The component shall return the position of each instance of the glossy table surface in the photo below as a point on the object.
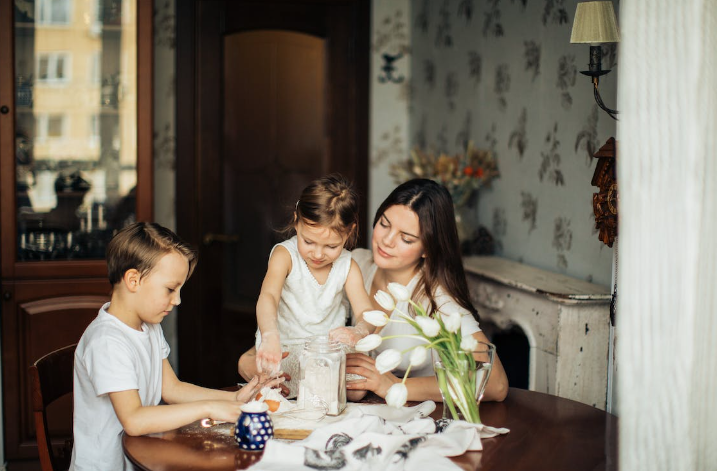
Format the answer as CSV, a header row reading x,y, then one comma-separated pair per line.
x,y
546,432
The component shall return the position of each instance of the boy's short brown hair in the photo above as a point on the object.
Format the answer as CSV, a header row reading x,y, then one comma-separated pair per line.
x,y
140,245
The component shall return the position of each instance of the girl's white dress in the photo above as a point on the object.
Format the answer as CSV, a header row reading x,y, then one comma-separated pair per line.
x,y
307,308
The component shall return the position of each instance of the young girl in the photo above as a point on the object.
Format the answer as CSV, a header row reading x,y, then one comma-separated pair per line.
x,y
303,290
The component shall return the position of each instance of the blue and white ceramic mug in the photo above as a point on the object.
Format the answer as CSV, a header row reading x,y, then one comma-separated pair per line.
x,y
254,427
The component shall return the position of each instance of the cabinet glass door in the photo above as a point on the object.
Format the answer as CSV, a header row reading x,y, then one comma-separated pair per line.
x,y
75,125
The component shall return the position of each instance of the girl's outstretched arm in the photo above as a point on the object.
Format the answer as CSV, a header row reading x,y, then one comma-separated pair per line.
x,y
360,303
268,355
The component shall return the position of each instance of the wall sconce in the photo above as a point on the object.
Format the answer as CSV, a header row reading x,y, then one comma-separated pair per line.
x,y
595,23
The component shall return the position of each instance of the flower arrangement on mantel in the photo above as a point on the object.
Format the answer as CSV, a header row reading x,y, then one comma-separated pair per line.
x,y
440,331
462,174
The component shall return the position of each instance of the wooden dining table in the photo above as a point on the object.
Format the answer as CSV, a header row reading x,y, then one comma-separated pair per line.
x,y
546,432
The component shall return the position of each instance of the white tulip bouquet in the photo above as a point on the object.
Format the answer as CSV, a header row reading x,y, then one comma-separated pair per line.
x,y
456,370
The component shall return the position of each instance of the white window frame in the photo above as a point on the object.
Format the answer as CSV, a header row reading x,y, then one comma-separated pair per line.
x,y
52,61
43,127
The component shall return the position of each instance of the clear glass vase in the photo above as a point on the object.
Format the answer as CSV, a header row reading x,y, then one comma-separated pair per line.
x,y
462,378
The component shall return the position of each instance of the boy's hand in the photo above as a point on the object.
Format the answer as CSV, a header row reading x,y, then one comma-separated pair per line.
x,y
349,335
225,411
268,356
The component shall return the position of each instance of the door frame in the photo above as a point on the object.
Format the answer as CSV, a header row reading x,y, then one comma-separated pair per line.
x,y
195,327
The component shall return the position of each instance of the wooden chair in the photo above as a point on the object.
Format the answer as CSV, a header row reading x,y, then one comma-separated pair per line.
x,y
51,377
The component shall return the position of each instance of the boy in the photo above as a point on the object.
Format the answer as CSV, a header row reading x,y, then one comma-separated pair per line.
x,y
121,367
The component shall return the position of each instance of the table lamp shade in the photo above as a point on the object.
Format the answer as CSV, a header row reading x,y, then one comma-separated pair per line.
x,y
595,23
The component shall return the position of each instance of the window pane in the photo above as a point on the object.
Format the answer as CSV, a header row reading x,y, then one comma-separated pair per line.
x,y
76,144
43,68
54,126
60,10
60,68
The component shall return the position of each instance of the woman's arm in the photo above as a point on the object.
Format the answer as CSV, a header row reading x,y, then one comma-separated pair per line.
x,y
419,388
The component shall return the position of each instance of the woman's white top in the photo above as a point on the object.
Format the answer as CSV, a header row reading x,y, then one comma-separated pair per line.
x,y
307,308
445,303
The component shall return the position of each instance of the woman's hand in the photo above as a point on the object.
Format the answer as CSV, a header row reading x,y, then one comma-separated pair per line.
x,y
360,364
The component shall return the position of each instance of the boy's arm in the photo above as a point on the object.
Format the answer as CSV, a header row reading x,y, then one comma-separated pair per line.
x,y
360,303
269,352
175,391
139,420
186,403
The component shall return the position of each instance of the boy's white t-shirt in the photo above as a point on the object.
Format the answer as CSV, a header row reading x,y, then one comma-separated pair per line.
x,y
445,303
112,357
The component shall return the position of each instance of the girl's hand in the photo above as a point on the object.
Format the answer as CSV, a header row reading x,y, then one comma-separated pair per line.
x,y
363,365
257,383
268,356
348,335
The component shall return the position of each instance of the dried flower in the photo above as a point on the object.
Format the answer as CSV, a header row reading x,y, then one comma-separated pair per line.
x,y
462,174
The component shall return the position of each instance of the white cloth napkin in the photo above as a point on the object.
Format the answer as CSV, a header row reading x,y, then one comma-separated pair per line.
x,y
402,440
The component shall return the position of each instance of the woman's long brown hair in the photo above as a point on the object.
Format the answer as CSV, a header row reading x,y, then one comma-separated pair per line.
x,y
442,265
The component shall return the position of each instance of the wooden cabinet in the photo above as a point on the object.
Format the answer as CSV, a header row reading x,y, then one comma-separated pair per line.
x,y
75,166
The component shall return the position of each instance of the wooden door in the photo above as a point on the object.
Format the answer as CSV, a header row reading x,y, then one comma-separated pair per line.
x,y
277,99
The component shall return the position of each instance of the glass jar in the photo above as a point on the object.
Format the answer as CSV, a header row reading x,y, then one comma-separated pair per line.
x,y
322,383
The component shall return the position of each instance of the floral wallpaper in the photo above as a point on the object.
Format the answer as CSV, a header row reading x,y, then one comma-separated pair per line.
x,y
503,74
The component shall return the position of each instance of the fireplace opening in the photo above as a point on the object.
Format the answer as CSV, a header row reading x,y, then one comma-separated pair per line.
x,y
513,350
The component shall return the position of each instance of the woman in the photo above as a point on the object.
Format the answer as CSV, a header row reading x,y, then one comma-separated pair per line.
x,y
415,243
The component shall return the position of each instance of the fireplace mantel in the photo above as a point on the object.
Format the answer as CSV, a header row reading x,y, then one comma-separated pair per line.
x,y
566,322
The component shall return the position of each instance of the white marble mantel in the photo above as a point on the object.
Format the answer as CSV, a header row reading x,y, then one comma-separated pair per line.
x,y
566,321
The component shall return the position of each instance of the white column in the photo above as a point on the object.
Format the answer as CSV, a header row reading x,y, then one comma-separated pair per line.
x,y
667,173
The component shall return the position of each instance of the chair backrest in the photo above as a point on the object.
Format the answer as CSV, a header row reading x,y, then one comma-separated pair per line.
x,y
51,377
